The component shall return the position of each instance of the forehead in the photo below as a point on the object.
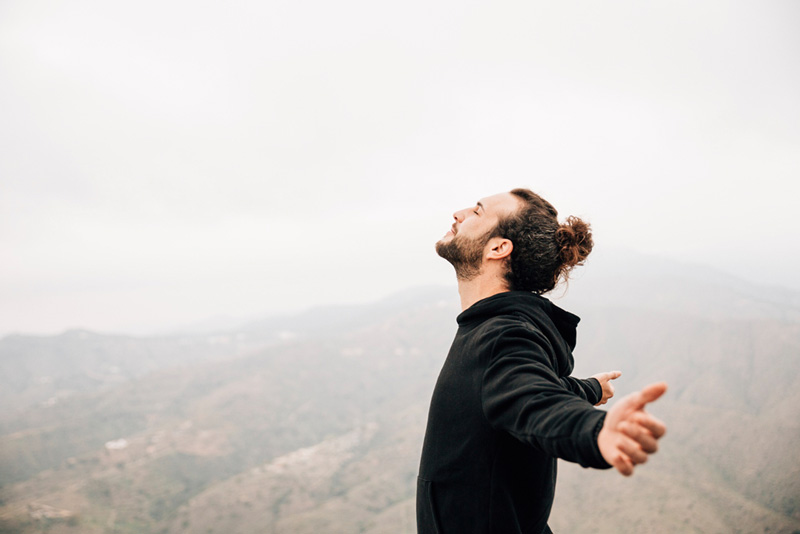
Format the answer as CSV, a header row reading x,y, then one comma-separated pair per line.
x,y
500,204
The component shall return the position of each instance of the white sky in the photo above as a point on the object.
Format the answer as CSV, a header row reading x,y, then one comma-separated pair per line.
x,y
166,161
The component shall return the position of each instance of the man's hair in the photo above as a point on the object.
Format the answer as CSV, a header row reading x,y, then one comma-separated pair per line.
x,y
544,251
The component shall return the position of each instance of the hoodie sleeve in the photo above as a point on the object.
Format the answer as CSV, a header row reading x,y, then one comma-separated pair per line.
x,y
522,395
586,388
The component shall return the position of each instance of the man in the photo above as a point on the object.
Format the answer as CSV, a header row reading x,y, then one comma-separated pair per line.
x,y
504,406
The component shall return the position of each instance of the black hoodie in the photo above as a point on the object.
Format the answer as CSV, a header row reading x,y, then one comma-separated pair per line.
x,y
503,409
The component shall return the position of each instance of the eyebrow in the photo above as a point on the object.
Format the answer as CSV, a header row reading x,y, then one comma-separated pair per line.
x,y
480,206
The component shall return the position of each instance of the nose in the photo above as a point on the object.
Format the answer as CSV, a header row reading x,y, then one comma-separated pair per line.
x,y
460,215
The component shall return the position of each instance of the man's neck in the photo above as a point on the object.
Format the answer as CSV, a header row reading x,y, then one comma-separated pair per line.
x,y
479,288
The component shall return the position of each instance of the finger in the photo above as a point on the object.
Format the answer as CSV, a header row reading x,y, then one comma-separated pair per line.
x,y
623,464
656,427
632,450
640,435
608,375
649,394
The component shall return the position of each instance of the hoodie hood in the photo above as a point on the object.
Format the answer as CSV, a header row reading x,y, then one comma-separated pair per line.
x,y
534,308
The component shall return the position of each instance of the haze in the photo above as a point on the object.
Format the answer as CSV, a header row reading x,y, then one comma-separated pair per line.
x,y
167,162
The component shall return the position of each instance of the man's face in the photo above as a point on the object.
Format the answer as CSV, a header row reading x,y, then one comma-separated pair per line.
x,y
464,244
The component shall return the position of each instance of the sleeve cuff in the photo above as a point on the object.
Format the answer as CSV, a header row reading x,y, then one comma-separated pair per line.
x,y
597,390
593,456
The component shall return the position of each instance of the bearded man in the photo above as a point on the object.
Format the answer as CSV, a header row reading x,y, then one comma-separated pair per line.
x,y
505,406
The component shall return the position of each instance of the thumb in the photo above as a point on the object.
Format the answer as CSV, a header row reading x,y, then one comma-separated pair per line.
x,y
650,393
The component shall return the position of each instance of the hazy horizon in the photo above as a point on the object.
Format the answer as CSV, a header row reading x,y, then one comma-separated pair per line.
x,y
166,163
601,264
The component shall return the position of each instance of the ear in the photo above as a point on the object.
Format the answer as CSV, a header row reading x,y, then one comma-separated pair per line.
x,y
498,248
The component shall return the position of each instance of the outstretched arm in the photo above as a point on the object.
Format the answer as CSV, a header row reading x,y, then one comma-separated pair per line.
x,y
523,396
629,433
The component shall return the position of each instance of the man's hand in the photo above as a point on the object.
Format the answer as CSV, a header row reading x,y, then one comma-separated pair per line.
x,y
629,433
605,383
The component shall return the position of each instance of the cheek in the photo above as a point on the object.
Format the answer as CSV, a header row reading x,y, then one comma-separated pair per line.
x,y
471,224
476,226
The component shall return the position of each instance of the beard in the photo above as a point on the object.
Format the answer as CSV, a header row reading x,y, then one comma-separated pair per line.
x,y
464,254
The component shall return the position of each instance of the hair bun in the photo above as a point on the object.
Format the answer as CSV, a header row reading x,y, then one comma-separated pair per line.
x,y
574,238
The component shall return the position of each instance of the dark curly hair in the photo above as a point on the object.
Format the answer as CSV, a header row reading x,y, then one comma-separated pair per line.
x,y
545,251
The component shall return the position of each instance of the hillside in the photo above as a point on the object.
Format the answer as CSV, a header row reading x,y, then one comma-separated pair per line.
x,y
313,423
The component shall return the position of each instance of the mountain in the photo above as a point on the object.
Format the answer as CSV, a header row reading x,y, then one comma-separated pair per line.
x,y
314,422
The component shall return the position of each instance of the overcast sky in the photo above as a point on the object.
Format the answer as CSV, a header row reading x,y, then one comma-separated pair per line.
x,y
168,161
